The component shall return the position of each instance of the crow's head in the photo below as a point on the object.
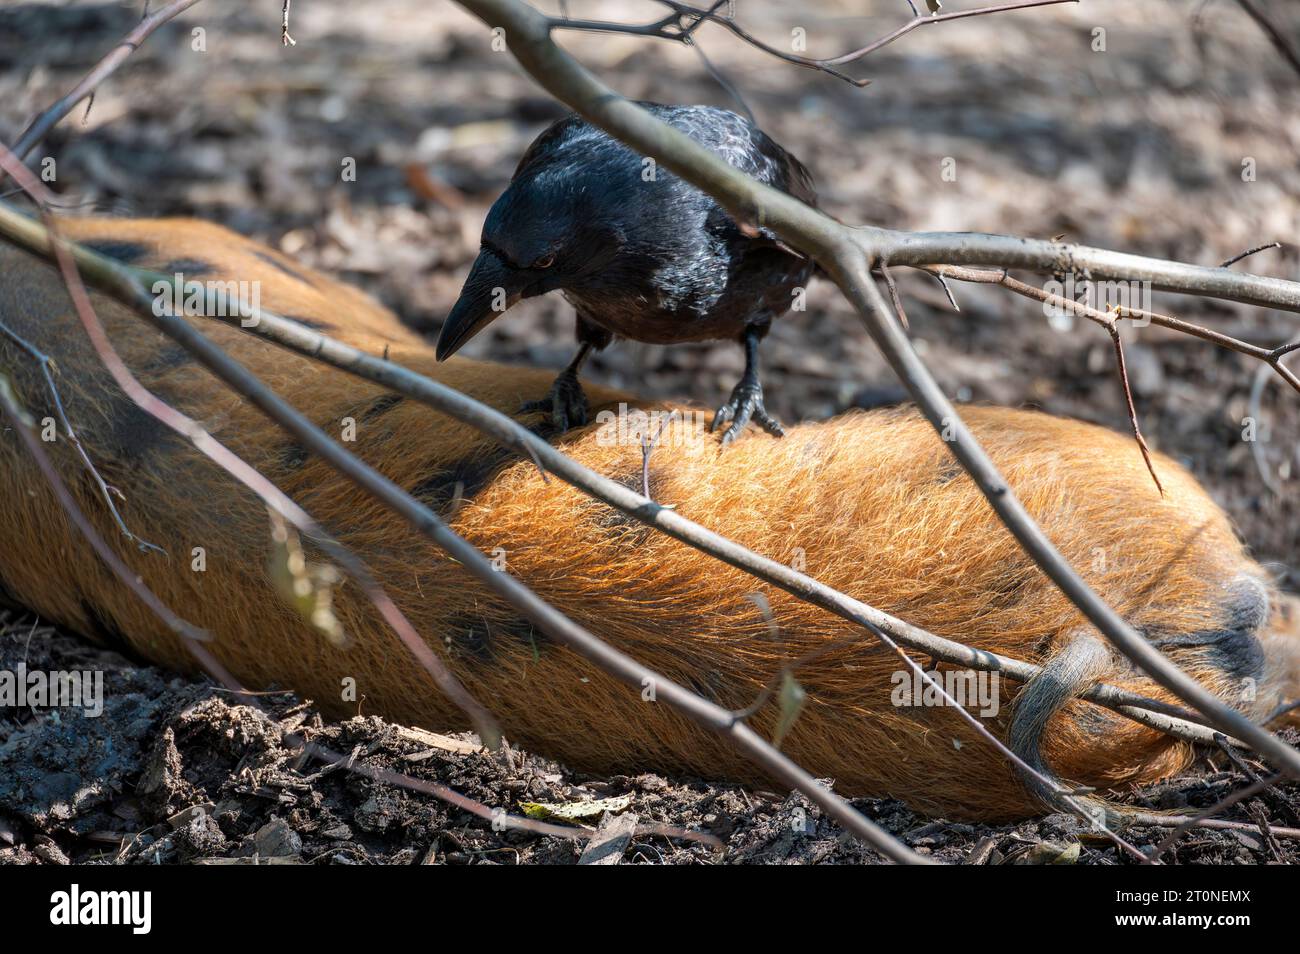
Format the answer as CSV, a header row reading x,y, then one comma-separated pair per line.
x,y
555,229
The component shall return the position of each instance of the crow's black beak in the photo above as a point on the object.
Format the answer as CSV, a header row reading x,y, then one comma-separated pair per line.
x,y
491,288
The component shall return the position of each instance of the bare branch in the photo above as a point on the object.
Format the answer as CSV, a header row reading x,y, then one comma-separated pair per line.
x,y
685,19
849,254
1273,358
1044,257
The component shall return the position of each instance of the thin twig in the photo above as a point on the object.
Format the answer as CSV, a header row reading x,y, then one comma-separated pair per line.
x,y
921,20
685,19
894,296
497,817
1272,358
1204,819
1255,411
44,361
649,448
1249,252
42,124
720,78
1184,822
1283,800
1122,368
947,290
1282,709
285,38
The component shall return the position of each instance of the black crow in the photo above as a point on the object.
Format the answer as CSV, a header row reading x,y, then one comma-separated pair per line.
x,y
638,252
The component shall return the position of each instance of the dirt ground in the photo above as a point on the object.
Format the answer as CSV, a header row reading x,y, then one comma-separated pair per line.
x,y
1143,146
173,772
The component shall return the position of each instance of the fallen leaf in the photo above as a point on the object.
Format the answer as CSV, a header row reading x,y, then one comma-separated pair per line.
x,y
573,811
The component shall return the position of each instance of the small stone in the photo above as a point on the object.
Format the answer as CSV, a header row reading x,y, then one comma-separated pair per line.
x,y
51,853
276,839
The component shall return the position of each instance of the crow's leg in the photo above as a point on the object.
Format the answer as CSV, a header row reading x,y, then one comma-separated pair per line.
x,y
747,399
567,403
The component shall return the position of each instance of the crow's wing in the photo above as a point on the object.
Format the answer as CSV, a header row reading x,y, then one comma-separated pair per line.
x,y
734,138
743,145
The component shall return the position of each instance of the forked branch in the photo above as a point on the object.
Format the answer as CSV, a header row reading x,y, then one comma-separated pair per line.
x,y
683,20
850,254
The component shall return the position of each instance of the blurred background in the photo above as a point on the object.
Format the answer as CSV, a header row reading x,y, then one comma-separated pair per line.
x,y
1106,122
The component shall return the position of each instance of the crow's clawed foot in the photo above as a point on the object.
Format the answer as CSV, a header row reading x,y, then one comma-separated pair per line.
x,y
746,402
566,403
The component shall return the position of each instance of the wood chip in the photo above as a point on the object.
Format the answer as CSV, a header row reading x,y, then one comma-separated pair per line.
x,y
444,742
612,837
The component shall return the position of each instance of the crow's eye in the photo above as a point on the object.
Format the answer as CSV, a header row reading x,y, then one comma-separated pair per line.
x,y
546,261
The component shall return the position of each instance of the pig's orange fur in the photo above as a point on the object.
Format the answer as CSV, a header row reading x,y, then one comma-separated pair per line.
x,y
870,502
